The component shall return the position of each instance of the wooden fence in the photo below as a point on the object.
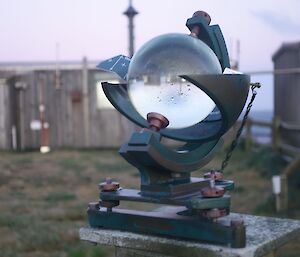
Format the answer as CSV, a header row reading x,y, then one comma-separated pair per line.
x,y
290,176
277,129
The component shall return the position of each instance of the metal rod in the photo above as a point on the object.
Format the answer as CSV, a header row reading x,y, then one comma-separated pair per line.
x,y
130,13
275,72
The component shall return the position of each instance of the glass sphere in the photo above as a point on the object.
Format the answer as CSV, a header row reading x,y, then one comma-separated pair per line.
x,y
155,85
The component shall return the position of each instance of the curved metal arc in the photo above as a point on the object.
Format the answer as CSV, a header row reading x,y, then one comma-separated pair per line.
x,y
228,91
189,161
118,97
201,132
145,151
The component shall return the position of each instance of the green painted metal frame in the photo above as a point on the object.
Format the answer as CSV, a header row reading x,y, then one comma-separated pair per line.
x,y
165,173
213,37
144,150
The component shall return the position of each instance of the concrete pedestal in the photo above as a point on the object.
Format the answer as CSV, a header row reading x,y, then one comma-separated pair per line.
x,y
264,236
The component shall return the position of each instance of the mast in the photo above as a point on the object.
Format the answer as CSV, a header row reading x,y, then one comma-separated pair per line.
x,y
130,13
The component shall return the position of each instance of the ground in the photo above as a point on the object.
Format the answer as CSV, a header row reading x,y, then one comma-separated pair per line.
x,y
43,198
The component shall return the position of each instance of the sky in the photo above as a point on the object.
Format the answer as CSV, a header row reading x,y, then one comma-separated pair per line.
x,y
31,29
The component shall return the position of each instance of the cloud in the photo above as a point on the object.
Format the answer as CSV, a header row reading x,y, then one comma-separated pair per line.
x,y
278,21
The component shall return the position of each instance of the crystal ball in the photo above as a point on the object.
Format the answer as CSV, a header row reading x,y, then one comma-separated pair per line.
x,y
155,83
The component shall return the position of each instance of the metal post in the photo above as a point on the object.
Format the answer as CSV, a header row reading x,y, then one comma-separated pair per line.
x,y
130,13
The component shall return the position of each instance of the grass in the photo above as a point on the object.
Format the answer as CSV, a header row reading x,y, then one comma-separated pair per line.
x,y
12,222
59,196
43,198
23,161
266,162
267,207
71,164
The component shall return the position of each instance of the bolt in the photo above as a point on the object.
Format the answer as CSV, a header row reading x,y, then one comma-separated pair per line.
x,y
109,185
195,31
157,121
213,174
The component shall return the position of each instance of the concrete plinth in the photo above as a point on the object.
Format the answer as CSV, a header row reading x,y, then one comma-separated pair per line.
x,y
264,236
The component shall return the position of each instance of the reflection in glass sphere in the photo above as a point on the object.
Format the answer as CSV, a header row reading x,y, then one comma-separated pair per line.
x,y
155,85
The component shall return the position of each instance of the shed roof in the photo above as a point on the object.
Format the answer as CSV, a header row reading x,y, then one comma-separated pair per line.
x,y
290,46
45,65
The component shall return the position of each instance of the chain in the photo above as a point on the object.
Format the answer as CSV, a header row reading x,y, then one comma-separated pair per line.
x,y
240,130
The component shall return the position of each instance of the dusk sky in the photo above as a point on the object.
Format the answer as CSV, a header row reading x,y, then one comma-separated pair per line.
x,y
97,29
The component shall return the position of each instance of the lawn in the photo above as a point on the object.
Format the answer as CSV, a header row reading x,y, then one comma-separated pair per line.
x,y
43,198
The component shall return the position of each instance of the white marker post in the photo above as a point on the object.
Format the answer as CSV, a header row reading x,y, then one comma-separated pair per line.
x,y
276,182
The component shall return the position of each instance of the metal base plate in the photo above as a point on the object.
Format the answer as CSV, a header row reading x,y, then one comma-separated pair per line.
x,y
168,223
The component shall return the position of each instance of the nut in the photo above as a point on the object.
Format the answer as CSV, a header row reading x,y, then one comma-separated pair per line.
x,y
212,192
109,185
157,121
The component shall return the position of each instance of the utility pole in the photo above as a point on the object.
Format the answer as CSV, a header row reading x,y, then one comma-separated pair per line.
x,y
130,13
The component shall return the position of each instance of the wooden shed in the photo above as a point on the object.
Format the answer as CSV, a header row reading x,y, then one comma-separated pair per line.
x,y
68,103
287,90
